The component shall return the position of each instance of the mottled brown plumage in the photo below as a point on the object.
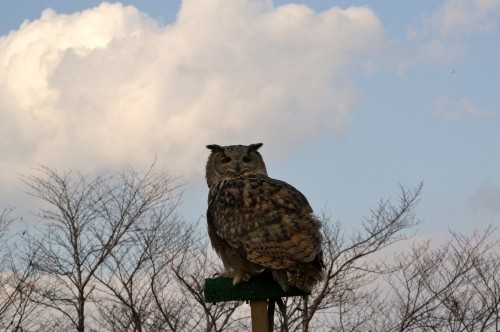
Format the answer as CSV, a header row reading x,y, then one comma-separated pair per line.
x,y
257,223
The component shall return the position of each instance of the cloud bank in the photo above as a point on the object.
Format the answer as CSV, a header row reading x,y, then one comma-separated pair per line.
x,y
109,86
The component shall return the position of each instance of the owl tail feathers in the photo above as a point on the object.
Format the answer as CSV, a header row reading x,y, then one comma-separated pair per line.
x,y
305,280
302,279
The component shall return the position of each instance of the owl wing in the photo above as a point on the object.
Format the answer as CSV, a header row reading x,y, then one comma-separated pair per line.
x,y
267,221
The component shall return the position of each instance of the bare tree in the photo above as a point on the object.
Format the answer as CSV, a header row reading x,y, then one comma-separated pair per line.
x,y
160,286
87,218
112,255
189,270
16,281
344,300
129,278
7,293
454,287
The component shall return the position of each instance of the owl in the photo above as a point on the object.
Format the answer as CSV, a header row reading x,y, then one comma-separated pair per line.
x,y
258,224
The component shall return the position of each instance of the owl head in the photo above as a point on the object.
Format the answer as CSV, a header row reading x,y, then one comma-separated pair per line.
x,y
232,161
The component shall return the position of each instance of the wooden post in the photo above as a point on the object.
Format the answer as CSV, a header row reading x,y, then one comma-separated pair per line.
x,y
258,310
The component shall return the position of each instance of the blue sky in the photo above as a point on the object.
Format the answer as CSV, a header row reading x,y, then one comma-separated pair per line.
x,y
350,98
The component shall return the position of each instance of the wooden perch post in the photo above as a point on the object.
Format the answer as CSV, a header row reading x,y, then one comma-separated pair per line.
x,y
258,291
258,309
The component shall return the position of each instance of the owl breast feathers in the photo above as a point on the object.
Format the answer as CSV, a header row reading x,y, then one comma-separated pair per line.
x,y
256,223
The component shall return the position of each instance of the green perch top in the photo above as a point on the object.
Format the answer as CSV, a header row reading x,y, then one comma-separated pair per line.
x,y
258,288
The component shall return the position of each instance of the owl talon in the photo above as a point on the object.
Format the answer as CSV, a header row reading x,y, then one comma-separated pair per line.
x,y
239,278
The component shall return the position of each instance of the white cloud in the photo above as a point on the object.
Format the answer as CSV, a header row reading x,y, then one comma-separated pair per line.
x,y
449,109
433,51
441,36
463,17
108,86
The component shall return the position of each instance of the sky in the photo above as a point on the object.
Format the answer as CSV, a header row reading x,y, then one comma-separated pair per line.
x,y
351,98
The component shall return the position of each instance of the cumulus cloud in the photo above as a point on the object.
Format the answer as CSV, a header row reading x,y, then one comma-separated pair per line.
x,y
109,86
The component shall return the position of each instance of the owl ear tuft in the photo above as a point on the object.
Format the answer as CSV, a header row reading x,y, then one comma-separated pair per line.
x,y
255,147
214,147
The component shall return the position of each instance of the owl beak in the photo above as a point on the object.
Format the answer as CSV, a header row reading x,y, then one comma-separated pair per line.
x,y
237,168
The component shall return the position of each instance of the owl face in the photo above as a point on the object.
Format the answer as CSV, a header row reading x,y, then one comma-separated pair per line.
x,y
232,161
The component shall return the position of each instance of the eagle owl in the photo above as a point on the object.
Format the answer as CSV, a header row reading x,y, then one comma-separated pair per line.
x,y
256,223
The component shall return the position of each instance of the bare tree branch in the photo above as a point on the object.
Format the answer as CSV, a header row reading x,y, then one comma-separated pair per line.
x,y
87,218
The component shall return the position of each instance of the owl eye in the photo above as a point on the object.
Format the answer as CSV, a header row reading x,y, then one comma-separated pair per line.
x,y
246,159
225,160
